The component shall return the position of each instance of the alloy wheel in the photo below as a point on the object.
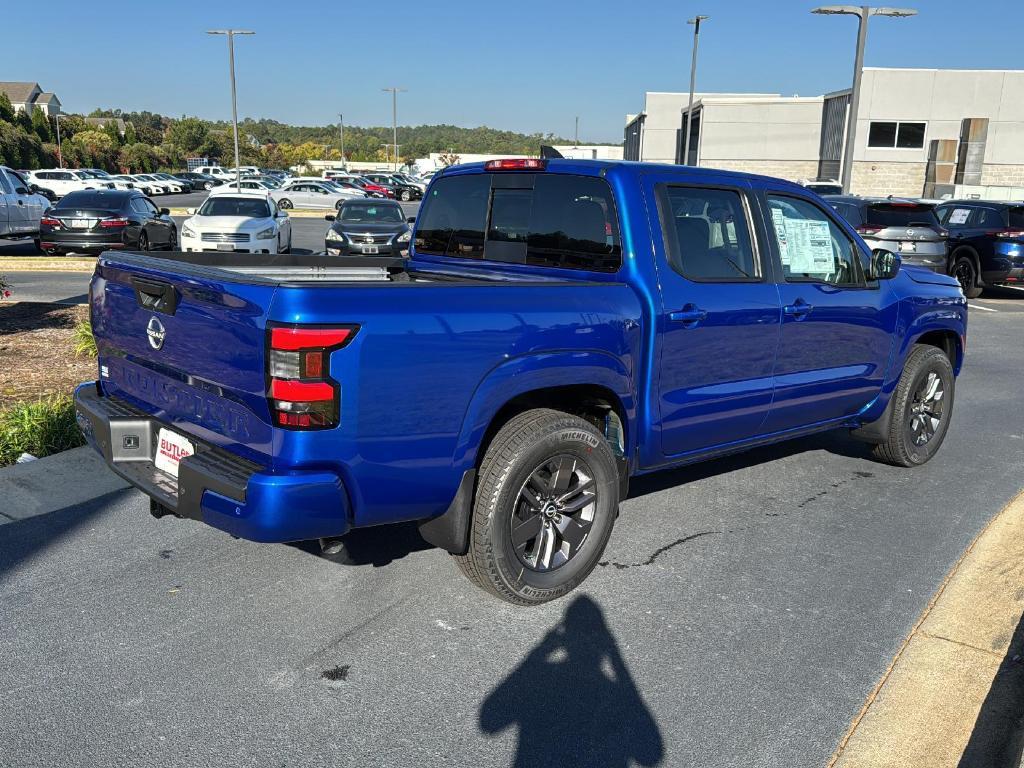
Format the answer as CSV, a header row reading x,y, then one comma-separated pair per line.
x,y
964,274
926,410
553,513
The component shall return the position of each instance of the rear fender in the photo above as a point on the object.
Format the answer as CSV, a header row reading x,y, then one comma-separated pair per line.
x,y
521,375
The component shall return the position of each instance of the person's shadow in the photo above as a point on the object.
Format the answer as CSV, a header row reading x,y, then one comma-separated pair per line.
x,y
574,700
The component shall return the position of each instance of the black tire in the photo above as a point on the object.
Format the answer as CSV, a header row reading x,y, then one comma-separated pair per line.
x,y
901,446
172,241
406,195
966,273
37,243
533,445
284,203
289,248
337,205
143,242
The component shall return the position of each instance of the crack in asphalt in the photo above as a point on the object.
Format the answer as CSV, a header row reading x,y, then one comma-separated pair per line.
x,y
658,552
857,475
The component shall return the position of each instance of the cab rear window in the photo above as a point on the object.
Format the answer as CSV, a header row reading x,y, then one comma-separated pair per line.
x,y
555,220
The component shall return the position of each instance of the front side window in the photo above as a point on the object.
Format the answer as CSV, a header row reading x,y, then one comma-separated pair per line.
x,y
707,234
895,135
812,247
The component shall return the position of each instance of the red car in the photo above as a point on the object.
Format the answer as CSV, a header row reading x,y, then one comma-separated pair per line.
x,y
369,186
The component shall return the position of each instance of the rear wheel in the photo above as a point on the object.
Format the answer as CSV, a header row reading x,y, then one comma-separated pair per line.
x,y
337,205
545,503
172,241
284,203
922,407
143,242
406,195
966,274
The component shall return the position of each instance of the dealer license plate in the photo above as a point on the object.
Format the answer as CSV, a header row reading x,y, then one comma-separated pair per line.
x,y
908,246
80,224
370,250
171,448
225,246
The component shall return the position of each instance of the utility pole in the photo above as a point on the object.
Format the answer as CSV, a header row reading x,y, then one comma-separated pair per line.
x,y
577,139
863,13
696,20
394,117
387,154
341,132
234,102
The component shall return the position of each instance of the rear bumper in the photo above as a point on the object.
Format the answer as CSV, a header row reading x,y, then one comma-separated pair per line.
x,y
214,486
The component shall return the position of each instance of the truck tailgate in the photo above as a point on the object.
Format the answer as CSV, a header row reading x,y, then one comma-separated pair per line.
x,y
186,348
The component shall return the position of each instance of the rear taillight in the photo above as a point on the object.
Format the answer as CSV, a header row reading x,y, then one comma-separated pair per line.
x,y
514,164
1010,234
301,392
865,229
49,222
113,223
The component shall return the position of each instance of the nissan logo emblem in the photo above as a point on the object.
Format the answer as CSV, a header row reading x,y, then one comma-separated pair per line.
x,y
910,233
155,331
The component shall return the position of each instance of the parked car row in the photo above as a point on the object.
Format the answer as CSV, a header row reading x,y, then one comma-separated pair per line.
x,y
396,185
979,242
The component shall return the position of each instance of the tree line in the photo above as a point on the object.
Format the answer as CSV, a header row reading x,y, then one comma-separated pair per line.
x,y
153,142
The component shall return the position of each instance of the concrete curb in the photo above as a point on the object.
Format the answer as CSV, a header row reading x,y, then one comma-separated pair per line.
x,y
32,264
926,709
55,482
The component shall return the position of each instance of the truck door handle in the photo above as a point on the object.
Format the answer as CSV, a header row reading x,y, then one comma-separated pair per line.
x,y
799,309
689,315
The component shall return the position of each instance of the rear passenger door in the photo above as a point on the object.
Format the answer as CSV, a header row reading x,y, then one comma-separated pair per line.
x,y
838,328
719,319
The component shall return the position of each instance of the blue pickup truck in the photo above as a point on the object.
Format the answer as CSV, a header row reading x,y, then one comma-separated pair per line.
x,y
559,327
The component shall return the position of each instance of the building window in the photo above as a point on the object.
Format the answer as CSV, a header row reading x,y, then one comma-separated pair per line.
x,y
892,135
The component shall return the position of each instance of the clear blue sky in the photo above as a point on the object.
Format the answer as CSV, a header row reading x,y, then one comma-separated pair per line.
x,y
523,65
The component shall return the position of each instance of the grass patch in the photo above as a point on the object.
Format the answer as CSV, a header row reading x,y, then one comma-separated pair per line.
x,y
40,428
84,341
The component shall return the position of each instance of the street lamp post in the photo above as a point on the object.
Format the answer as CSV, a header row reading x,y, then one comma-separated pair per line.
x,y
234,102
394,117
60,154
341,132
863,13
577,140
387,153
696,20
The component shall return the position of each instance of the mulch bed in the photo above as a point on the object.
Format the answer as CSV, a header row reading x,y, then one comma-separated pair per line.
x,y
37,352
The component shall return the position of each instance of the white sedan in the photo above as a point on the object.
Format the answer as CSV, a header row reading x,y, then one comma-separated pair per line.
x,y
237,222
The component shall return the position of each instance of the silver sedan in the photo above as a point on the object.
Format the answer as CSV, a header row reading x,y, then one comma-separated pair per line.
x,y
310,194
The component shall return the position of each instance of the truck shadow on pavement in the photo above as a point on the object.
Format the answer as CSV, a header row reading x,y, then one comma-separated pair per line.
x,y
377,546
574,701
997,740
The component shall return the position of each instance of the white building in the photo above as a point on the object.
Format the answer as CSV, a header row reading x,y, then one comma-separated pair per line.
x,y
919,131
27,96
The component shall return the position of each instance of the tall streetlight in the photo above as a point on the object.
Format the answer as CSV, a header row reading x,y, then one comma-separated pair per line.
x,y
387,154
341,132
394,117
863,13
234,103
577,144
60,154
696,20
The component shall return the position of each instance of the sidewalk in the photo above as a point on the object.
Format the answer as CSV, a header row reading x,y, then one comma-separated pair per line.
x,y
954,695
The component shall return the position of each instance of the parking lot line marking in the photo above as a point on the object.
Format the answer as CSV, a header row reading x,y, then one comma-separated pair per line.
x,y
983,309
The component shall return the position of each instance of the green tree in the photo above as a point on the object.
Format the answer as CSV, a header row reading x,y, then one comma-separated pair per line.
x,y
23,120
96,148
190,134
138,158
40,124
6,109
110,128
131,136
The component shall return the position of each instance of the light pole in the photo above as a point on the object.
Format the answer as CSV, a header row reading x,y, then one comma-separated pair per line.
x,y
394,117
60,154
696,20
387,154
341,132
234,103
577,140
863,13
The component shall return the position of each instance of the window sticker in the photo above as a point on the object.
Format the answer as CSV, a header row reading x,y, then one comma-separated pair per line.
x,y
780,233
959,215
809,243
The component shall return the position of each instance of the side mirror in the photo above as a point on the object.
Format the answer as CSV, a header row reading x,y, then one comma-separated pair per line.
x,y
165,211
282,214
411,220
884,264
329,217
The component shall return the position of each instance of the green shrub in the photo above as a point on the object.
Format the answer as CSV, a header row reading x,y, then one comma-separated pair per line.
x,y
85,342
40,428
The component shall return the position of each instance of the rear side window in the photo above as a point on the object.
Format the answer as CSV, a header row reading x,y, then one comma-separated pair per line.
x,y
1017,218
901,215
987,218
556,220
707,234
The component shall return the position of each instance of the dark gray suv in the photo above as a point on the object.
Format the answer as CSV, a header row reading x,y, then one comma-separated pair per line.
x,y
907,227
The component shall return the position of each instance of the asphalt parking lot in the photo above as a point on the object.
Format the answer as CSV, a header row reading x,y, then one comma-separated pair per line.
x,y
743,611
